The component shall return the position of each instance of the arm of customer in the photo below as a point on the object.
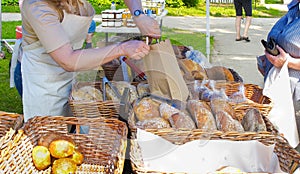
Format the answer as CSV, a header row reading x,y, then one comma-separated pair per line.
x,y
85,59
278,61
146,24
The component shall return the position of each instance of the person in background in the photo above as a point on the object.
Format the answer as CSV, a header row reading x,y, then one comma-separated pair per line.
x,y
285,33
15,63
239,5
53,34
89,36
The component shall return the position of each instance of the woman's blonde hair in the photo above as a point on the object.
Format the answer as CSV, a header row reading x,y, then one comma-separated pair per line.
x,y
70,6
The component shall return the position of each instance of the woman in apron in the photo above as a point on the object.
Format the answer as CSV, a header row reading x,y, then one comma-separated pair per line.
x,y
53,33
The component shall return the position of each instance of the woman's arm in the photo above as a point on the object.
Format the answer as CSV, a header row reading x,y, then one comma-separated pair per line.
x,y
85,59
147,25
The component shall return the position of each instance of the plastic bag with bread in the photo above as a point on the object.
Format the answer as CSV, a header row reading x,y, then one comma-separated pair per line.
x,y
87,93
178,119
121,85
201,113
146,109
253,121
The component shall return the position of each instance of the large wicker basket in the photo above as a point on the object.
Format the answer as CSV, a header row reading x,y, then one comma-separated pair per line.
x,y
289,158
10,120
103,147
96,108
252,92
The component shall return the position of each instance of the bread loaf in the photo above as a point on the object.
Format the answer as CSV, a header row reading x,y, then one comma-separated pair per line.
x,y
121,85
86,93
177,118
192,69
143,88
153,123
202,115
253,121
219,73
219,104
226,123
146,109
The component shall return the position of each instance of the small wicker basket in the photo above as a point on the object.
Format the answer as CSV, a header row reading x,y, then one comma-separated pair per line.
x,y
289,158
103,147
10,120
97,108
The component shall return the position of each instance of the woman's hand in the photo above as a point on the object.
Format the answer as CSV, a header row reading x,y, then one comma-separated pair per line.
x,y
148,26
278,60
134,49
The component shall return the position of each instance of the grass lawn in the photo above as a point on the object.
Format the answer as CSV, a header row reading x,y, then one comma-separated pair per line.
x,y
10,100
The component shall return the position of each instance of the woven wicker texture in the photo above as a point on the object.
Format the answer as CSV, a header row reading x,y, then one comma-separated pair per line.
x,y
289,158
113,72
103,147
9,120
252,91
97,108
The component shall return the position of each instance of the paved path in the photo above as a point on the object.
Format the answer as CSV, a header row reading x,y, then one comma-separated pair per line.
x,y
240,56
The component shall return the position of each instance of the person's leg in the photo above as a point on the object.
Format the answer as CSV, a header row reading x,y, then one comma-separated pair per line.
x,y
89,37
247,4
247,26
18,78
238,19
88,40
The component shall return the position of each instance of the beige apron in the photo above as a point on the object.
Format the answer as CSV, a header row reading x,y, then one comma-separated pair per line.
x,y
46,85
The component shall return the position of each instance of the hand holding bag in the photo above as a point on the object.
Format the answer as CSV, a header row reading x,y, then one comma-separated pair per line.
x,y
277,88
163,72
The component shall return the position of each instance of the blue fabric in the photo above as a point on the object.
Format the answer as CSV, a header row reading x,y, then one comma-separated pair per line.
x,y
286,33
92,28
18,78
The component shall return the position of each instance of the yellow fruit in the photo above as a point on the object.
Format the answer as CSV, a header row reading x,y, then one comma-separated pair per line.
x,y
63,166
77,157
61,148
41,157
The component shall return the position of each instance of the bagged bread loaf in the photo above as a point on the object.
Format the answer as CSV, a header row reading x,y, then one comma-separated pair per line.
x,y
177,118
253,121
226,123
239,96
121,85
202,115
220,104
146,109
153,123
86,93
143,88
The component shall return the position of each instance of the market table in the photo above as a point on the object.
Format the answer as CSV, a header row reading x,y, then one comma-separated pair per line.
x,y
123,29
107,30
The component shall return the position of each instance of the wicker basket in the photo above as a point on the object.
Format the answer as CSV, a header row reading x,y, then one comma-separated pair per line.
x,y
289,158
252,92
9,120
103,147
97,108
112,72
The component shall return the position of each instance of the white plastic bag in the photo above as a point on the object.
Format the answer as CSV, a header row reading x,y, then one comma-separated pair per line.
x,y
282,115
